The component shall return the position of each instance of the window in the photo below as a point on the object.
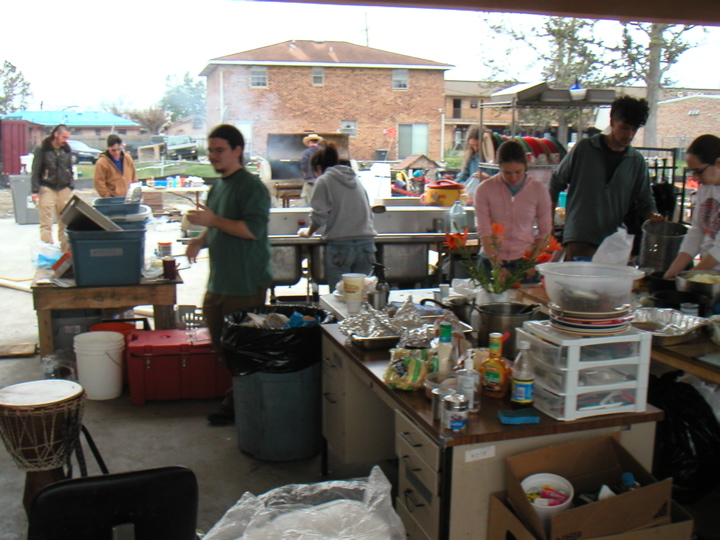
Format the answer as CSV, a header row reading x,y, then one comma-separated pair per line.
x,y
98,132
457,108
198,123
258,76
349,127
400,79
473,103
122,131
318,76
412,140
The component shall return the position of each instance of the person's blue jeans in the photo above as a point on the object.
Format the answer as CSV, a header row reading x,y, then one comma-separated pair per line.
x,y
345,256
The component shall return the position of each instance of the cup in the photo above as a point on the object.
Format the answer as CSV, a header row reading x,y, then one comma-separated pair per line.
x,y
353,285
169,268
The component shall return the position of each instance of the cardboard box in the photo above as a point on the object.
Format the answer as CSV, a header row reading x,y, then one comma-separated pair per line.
x,y
504,524
588,464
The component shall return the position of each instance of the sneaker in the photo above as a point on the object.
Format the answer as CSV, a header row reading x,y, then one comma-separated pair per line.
x,y
222,417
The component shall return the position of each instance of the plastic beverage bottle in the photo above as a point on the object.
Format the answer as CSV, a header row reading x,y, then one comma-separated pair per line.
x,y
628,482
444,351
468,384
458,218
494,371
523,378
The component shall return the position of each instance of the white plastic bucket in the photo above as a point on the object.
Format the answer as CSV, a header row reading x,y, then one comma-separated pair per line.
x,y
558,483
99,363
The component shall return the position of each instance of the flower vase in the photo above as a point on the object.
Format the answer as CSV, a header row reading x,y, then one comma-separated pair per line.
x,y
483,297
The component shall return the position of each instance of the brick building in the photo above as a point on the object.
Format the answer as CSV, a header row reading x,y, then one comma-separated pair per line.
x,y
383,100
682,119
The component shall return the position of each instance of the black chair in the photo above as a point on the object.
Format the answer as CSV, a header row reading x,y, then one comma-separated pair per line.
x,y
152,504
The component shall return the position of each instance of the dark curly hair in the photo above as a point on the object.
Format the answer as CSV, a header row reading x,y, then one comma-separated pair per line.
x,y
630,110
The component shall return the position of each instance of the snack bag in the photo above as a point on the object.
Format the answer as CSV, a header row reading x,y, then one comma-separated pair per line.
x,y
407,369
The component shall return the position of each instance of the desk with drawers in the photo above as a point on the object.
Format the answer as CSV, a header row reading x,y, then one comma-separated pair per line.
x,y
445,479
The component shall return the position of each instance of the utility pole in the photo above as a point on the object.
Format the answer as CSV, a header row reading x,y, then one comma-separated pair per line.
x,y
367,32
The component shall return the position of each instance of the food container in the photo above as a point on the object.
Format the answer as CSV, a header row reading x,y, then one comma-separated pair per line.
x,y
442,193
709,284
668,326
388,342
438,379
588,287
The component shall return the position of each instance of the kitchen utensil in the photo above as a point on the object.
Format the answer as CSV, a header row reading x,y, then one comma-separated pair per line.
x,y
461,306
442,193
660,244
504,317
685,281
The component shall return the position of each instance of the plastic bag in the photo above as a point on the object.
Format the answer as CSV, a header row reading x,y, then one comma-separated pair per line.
x,y
44,255
335,510
615,249
249,349
687,441
407,369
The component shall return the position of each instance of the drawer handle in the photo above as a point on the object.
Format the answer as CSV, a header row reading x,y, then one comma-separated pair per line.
x,y
406,460
406,435
327,397
410,502
329,362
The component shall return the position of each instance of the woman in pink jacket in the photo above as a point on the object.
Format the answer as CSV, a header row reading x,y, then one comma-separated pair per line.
x,y
516,202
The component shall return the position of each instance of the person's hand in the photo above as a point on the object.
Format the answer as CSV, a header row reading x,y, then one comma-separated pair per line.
x,y
657,218
35,198
202,216
193,249
304,232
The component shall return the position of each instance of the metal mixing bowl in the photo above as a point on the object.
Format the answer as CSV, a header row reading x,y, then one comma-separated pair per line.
x,y
711,290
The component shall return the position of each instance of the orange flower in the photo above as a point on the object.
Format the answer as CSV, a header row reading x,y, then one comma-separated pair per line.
x,y
456,240
544,257
497,229
528,255
554,245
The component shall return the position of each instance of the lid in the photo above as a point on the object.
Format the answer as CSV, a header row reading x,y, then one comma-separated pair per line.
x,y
456,401
445,184
37,393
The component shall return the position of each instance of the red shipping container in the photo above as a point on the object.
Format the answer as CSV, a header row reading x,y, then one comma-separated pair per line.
x,y
174,364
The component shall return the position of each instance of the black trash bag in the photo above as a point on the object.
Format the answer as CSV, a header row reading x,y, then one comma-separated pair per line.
x,y
687,441
284,350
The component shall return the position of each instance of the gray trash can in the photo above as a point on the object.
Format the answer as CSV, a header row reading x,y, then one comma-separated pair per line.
x,y
25,212
278,415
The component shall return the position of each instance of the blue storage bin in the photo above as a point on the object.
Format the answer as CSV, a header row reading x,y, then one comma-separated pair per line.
x,y
103,258
111,206
278,415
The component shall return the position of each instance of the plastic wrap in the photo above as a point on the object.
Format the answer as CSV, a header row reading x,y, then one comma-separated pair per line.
x,y
249,349
335,510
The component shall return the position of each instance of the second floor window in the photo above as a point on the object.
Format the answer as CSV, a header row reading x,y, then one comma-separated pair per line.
x,y
318,76
258,76
400,79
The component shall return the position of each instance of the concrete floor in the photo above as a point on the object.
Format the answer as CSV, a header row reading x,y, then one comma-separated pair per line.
x,y
136,437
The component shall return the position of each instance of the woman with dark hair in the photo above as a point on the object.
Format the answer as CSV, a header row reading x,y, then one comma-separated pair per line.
x,y
341,213
516,202
703,162
471,160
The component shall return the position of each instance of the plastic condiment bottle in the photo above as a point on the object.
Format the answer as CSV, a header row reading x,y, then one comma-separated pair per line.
x,y
494,371
444,351
458,218
468,384
523,378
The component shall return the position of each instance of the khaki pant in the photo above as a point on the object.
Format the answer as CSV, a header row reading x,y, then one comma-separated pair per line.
x,y
50,200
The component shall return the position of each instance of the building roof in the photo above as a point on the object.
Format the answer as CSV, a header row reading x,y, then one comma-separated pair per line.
x,y
71,118
323,54
690,97
473,88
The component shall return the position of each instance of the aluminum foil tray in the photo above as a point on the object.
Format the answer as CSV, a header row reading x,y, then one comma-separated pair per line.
x,y
387,342
668,326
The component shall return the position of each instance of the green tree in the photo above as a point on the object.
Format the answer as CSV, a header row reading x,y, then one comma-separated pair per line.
x,y
15,89
183,97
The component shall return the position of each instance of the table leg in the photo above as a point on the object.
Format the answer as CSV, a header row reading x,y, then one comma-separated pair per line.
x,y
164,317
45,332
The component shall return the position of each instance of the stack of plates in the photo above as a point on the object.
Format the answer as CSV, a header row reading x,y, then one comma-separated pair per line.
x,y
591,323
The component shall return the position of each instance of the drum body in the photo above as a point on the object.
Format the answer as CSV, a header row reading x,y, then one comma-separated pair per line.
x,y
40,422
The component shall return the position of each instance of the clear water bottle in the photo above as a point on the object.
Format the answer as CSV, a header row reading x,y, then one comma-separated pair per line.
x,y
457,218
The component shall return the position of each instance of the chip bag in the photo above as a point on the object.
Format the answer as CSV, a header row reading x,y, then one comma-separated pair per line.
x,y
407,369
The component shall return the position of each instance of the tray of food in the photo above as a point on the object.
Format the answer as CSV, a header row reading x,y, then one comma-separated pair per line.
x,y
668,326
388,342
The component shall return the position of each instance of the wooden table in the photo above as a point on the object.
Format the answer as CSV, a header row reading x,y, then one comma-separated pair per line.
x,y
161,294
681,356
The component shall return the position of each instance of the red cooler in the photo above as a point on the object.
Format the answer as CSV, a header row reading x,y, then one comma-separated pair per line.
x,y
174,364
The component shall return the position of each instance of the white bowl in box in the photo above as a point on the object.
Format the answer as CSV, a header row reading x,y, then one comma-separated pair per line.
x,y
589,287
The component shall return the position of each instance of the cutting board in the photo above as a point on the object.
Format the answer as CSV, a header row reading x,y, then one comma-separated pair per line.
x,y
17,350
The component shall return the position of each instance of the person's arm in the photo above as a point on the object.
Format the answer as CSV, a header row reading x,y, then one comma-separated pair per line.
x,y
99,179
680,263
207,218
195,245
36,175
561,177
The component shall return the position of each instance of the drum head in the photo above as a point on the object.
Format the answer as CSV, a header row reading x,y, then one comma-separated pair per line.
x,y
39,393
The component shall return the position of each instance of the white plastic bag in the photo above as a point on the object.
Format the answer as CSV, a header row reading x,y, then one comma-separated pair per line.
x,y
335,510
615,249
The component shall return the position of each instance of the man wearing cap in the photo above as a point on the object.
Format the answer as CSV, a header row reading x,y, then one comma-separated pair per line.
x,y
312,142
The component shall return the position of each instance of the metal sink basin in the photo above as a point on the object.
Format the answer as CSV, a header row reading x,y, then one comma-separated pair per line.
x,y
286,262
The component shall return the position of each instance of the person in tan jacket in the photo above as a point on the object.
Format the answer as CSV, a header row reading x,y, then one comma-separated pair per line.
x,y
114,170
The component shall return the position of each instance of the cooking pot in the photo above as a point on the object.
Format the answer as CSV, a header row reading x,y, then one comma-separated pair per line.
x,y
443,193
504,317
461,306
656,282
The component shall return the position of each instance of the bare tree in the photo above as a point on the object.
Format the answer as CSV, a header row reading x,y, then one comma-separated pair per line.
x,y
15,89
152,119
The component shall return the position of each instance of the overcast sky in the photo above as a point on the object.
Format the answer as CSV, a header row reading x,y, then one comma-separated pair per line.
x,y
85,53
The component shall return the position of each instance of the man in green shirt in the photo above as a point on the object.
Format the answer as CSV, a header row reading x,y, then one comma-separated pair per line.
x,y
236,217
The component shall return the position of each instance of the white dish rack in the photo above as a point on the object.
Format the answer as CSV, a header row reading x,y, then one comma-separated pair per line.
x,y
578,377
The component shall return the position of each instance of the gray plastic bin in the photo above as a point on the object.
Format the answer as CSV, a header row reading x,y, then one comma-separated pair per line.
x,y
278,415
24,214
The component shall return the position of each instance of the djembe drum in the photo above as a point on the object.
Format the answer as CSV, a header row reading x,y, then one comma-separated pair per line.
x,y
40,424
